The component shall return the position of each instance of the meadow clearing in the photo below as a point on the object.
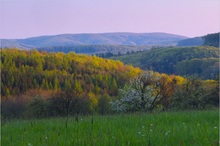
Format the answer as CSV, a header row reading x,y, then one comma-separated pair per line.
x,y
189,128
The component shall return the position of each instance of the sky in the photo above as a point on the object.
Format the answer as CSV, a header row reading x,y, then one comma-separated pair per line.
x,y
29,18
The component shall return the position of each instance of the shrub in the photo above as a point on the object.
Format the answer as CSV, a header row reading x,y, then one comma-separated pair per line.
x,y
37,107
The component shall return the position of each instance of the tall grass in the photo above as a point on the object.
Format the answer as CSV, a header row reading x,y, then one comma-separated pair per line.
x,y
194,128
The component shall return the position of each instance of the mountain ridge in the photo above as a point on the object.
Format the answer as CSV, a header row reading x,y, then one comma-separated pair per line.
x,y
117,38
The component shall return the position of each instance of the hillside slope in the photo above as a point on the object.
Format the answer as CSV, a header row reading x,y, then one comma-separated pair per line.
x,y
202,60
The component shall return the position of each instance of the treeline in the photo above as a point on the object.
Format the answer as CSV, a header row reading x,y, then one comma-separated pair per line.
x,y
95,49
184,61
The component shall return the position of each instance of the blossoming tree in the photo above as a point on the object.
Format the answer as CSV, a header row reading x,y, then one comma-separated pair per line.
x,y
140,94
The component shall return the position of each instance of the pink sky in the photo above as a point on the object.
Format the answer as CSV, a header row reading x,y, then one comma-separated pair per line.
x,y
27,18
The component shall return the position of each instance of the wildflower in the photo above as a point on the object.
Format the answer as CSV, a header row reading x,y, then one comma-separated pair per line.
x,y
81,119
215,127
46,138
183,123
139,132
143,135
167,132
151,130
151,124
29,144
143,127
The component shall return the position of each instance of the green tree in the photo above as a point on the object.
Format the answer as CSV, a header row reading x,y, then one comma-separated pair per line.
x,y
104,104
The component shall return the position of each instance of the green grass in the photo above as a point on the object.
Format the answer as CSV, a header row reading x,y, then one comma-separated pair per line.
x,y
194,128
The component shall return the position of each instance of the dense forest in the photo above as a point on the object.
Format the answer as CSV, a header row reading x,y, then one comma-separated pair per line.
x,y
184,61
23,70
41,84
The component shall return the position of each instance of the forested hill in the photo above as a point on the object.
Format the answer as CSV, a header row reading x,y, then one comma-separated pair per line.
x,y
212,39
93,39
207,40
203,60
25,70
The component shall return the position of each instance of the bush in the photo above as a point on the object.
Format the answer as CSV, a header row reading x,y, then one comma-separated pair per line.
x,y
64,104
37,107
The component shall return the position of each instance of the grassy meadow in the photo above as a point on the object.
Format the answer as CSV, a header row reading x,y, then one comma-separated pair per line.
x,y
190,128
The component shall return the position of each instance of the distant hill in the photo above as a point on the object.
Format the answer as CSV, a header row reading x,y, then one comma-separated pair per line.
x,y
207,40
135,39
203,60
